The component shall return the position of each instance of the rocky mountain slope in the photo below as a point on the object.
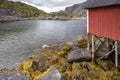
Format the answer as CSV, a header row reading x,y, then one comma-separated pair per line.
x,y
19,9
77,9
12,11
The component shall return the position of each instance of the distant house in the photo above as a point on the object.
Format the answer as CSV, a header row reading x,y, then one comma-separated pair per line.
x,y
104,20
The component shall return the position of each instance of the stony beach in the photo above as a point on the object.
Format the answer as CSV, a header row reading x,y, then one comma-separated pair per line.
x,y
59,63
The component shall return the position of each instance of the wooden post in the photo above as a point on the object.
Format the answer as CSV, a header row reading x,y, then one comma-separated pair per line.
x,y
116,54
93,51
88,43
107,43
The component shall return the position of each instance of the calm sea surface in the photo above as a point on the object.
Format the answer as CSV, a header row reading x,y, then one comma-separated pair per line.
x,y
18,39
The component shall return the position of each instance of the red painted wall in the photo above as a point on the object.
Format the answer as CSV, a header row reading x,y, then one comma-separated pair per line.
x,y
105,22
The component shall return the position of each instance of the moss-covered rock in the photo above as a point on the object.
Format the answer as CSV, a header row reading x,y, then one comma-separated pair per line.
x,y
82,43
38,67
79,55
52,74
27,64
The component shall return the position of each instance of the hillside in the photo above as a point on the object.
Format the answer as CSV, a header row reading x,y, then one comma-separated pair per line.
x,y
63,14
10,8
12,11
77,9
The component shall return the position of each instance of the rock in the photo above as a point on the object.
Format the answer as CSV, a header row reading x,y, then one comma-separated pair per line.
x,y
67,48
53,74
42,62
27,64
9,18
64,67
45,46
79,55
9,15
7,12
70,43
64,77
3,76
88,67
77,9
18,76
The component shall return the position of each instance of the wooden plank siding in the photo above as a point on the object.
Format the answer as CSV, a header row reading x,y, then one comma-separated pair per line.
x,y
105,22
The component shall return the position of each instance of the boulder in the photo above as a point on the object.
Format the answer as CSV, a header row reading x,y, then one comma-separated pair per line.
x,y
27,64
3,76
79,55
53,74
70,43
45,46
42,63
18,76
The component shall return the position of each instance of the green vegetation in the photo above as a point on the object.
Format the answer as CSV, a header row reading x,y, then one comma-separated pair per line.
x,y
26,11
22,9
63,15
101,70
38,65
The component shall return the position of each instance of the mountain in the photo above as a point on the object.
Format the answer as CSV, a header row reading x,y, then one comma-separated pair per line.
x,y
62,15
10,8
74,11
77,9
12,11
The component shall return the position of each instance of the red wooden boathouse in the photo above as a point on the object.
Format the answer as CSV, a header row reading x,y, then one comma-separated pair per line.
x,y
104,20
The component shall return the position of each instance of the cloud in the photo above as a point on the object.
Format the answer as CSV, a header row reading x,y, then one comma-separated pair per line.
x,y
50,5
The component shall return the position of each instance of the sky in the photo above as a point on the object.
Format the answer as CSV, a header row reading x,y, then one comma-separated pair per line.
x,y
50,5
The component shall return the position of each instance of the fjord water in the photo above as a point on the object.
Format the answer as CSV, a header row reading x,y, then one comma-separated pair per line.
x,y
18,39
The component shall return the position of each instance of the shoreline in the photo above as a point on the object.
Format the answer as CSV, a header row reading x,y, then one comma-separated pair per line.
x,y
15,18
48,62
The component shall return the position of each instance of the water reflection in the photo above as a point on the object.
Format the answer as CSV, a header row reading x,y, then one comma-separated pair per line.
x,y
18,39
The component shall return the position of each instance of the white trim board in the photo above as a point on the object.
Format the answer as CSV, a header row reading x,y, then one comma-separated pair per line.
x,y
87,21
